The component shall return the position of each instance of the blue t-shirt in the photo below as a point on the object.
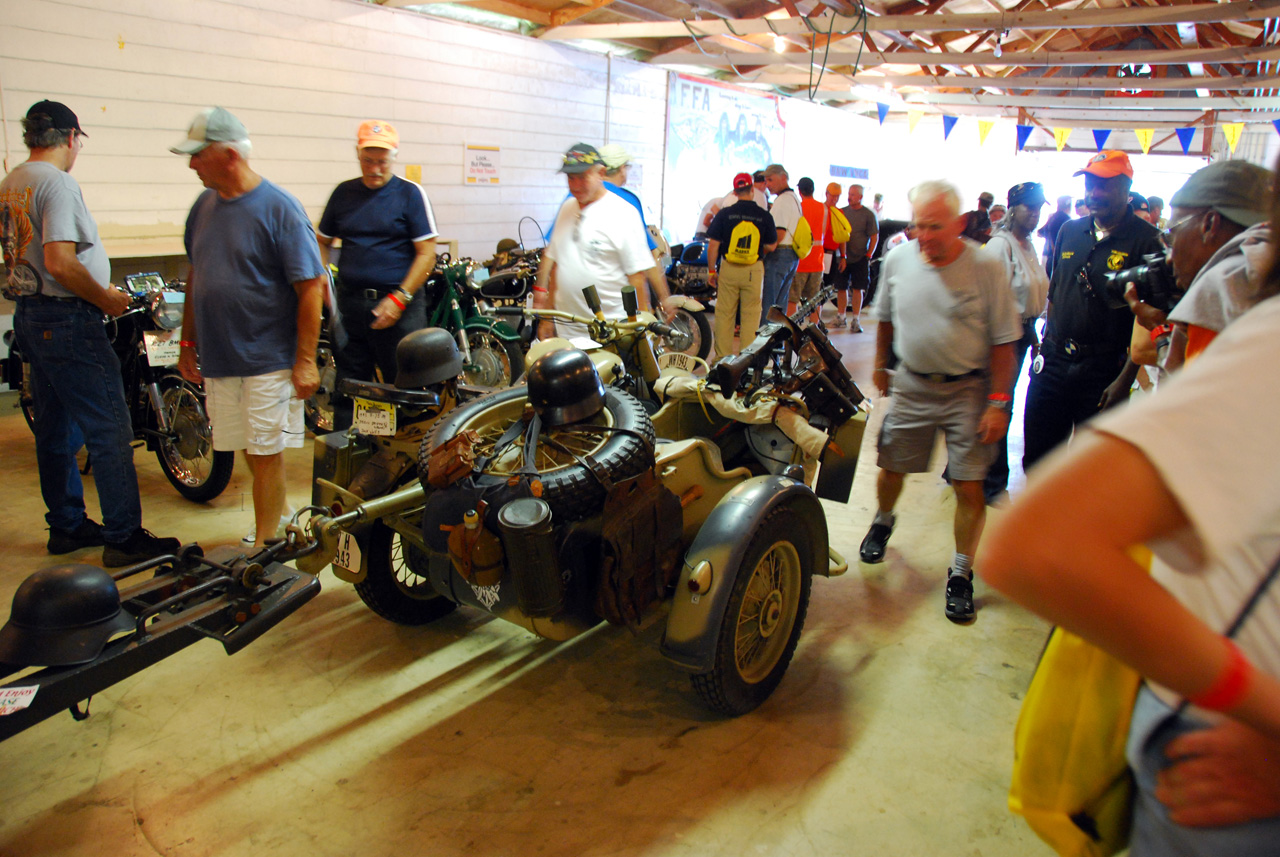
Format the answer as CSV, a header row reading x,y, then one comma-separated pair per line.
x,y
246,253
377,228
629,197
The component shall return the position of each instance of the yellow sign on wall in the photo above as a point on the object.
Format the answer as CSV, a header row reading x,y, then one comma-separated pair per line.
x,y
480,164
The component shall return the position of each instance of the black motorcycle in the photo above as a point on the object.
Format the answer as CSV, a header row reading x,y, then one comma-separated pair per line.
x,y
687,277
168,412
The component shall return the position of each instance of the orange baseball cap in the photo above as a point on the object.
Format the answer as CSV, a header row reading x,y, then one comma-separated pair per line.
x,y
1108,164
377,134
834,187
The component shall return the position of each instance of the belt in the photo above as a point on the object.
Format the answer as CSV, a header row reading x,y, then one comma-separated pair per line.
x,y
367,294
1075,350
941,378
49,299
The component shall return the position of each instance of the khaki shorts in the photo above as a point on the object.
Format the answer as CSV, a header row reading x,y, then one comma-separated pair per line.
x,y
919,410
259,414
805,285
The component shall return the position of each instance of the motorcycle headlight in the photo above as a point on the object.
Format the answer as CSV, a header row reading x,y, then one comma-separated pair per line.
x,y
167,308
476,277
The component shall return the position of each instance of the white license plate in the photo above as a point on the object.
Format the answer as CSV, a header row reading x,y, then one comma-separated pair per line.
x,y
347,557
677,360
162,348
375,418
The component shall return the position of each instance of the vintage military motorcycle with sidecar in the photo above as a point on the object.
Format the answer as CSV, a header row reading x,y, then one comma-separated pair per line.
x,y
168,412
565,503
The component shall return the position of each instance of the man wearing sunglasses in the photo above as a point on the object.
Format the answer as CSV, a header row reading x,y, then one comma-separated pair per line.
x,y
1083,364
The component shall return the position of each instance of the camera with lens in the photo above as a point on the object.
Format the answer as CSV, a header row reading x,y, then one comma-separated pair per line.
x,y
1153,280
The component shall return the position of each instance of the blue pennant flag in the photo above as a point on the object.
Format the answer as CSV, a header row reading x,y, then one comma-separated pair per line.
x,y
948,122
1100,138
1024,131
1184,137
883,110
1276,124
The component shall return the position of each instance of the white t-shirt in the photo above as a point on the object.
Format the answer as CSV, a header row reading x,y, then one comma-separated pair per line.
x,y
1210,433
596,246
946,319
757,196
1026,275
786,213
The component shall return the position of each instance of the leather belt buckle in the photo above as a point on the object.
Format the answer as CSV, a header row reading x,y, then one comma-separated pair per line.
x,y
371,294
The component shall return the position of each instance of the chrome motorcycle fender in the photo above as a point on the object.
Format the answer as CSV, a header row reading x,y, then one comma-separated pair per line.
x,y
713,563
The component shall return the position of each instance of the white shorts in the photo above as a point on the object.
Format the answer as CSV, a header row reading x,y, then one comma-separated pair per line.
x,y
259,414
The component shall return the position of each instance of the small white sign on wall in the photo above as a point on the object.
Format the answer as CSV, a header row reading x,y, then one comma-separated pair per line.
x,y
481,164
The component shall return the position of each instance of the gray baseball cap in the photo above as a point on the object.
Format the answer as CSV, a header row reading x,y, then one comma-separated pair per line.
x,y
211,125
1238,190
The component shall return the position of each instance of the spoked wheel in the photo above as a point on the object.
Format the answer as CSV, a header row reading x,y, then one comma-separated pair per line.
x,y
763,620
570,488
318,409
396,586
187,455
495,362
692,334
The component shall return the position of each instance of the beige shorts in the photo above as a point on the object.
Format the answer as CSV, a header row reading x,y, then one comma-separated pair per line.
x,y
919,410
805,285
259,414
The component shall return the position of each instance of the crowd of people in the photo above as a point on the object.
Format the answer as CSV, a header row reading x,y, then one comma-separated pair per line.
x,y
1187,471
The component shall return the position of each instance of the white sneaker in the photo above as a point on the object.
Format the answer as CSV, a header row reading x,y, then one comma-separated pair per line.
x,y
251,537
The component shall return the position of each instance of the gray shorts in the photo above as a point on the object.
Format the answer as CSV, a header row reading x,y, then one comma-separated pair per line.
x,y
919,410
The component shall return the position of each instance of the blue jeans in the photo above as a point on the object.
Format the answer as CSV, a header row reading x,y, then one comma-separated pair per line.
x,y
1154,835
779,270
78,394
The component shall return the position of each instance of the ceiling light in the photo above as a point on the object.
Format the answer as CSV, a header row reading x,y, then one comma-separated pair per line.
x,y
779,44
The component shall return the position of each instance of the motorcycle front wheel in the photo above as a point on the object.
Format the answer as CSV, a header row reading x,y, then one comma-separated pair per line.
x,y
396,585
186,455
495,362
691,335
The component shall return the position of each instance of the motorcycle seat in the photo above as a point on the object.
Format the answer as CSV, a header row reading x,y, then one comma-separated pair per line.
x,y
389,393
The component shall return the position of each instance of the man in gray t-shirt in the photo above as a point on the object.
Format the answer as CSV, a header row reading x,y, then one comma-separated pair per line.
x,y
947,311
864,232
59,276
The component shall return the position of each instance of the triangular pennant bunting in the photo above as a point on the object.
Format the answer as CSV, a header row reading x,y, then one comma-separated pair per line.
x,y
913,119
1276,124
948,122
1184,137
1024,131
985,126
1145,136
1233,130
1100,138
883,110
1060,136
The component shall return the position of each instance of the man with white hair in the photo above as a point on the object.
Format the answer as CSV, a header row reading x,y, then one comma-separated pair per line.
x,y
388,234
253,307
946,309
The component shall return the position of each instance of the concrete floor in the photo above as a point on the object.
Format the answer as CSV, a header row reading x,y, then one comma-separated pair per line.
x,y
340,733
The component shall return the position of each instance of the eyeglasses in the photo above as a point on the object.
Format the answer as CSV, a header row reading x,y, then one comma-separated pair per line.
x,y
1176,225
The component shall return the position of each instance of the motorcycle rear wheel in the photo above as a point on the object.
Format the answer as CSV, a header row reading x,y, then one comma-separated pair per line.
x,y
396,585
495,362
187,456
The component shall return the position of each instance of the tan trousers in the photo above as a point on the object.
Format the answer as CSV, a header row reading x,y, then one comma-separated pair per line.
x,y
739,285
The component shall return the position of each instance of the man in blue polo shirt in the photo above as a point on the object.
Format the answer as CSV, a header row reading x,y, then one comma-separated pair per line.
x,y
388,250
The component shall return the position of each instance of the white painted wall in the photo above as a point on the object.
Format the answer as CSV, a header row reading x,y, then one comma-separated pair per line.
x,y
301,76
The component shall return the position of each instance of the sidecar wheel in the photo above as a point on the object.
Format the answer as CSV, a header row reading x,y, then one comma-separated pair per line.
x,y
187,457
569,487
495,362
764,617
396,586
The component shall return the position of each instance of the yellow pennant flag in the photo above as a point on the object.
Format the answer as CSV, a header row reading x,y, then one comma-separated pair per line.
x,y
1060,136
913,118
1144,138
1233,131
984,128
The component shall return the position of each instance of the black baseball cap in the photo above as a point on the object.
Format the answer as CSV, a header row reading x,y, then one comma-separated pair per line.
x,y
61,116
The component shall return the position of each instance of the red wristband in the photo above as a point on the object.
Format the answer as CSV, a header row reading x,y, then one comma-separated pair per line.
x,y
1162,330
186,343
999,397
1231,685
391,296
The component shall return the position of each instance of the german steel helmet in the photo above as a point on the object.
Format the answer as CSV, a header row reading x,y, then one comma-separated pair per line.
x,y
565,387
62,616
427,357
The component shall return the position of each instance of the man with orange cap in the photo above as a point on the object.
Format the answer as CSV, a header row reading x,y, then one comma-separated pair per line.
x,y
1083,364
388,235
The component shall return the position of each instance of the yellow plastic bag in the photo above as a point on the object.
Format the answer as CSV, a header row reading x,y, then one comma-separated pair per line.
x,y
1070,778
